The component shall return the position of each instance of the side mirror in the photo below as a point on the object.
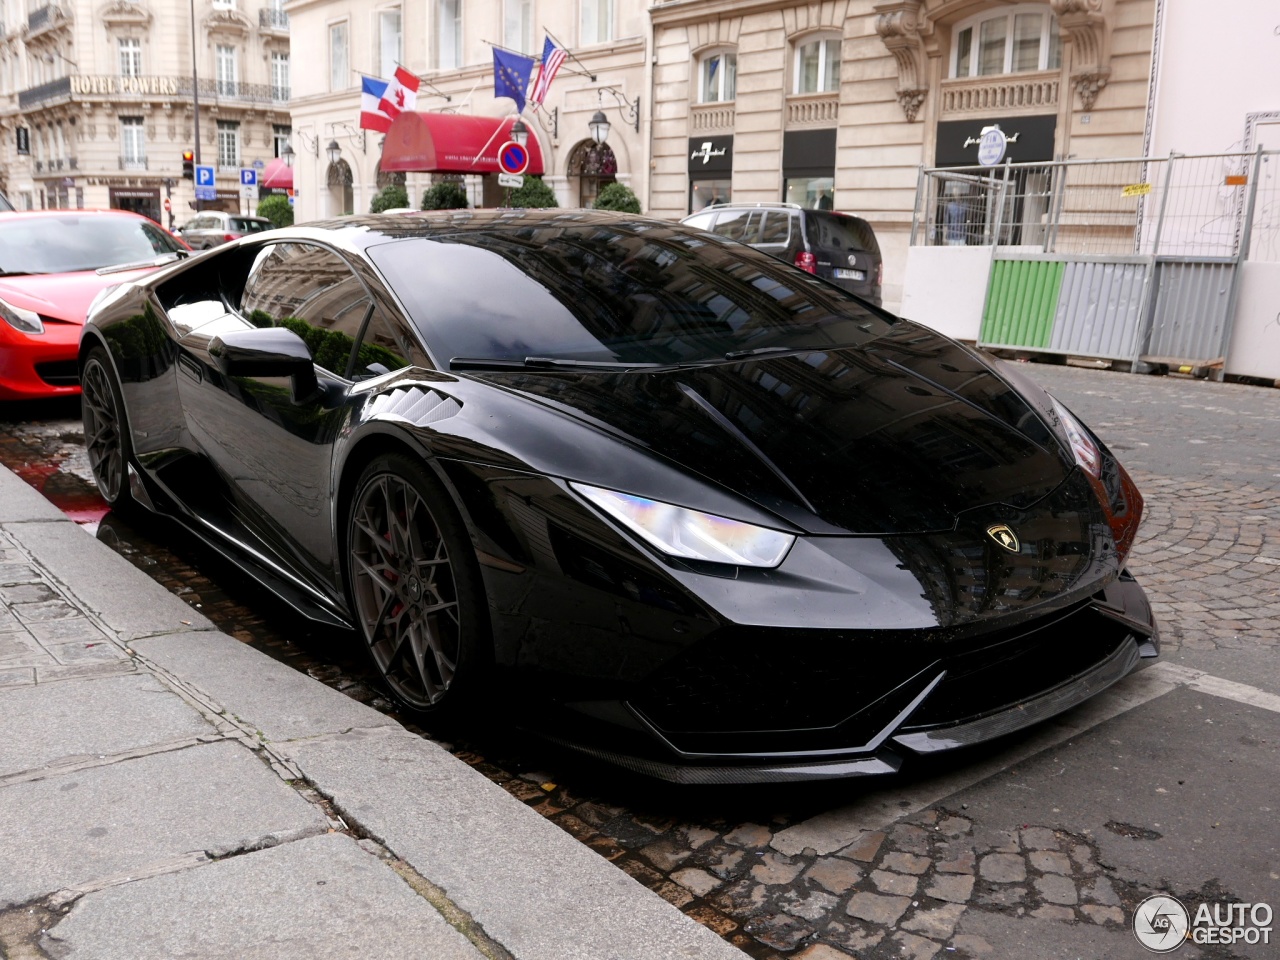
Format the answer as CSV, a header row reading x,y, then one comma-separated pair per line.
x,y
266,352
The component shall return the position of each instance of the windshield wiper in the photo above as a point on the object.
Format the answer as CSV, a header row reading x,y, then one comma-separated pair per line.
x,y
159,261
537,363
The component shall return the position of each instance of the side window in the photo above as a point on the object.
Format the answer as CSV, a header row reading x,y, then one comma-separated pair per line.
x,y
384,347
310,290
732,224
700,221
777,227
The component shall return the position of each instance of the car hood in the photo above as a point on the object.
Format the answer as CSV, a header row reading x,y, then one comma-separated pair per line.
x,y
62,296
901,435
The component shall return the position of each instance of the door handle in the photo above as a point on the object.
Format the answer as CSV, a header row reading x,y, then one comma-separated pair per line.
x,y
190,367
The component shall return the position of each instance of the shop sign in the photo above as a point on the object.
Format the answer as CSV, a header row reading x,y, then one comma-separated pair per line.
x,y
106,86
710,154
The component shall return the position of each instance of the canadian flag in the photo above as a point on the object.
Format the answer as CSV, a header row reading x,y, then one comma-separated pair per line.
x,y
401,94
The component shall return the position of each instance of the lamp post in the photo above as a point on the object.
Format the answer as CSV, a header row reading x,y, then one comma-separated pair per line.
x,y
287,155
519,132
195,94
333,152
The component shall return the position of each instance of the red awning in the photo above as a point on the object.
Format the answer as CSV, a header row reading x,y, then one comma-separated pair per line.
x,y
450,143
276,174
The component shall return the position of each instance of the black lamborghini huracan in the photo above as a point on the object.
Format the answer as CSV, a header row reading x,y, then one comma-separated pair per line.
x,y
724,521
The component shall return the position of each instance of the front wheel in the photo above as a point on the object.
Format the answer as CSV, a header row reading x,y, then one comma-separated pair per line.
x,y
415,587
106,430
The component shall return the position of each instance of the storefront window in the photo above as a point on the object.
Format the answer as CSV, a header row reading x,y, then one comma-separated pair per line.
x,y
707,193
812,193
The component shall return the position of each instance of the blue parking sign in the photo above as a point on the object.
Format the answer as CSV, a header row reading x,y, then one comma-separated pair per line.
x,y
204,176
248,177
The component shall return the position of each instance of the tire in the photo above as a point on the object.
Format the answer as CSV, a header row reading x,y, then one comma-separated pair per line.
x,y
415,588
106,429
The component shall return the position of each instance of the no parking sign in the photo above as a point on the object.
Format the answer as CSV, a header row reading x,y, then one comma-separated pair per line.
x,y
513,158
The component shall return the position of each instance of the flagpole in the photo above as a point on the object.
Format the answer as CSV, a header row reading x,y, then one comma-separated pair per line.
x,y
569,54
497,131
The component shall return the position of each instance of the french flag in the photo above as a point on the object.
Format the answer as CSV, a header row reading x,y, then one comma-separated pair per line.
x,y
401,94
371,116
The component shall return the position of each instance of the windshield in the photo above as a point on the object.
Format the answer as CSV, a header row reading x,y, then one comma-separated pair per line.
x,y
630,293
64,244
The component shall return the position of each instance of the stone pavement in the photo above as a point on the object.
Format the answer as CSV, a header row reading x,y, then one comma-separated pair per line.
x,y
166,792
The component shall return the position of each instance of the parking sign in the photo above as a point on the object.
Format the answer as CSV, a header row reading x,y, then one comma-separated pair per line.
x,y
248,177
204,176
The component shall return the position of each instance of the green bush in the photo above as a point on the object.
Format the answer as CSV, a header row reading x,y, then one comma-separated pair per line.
x,y
447,195
535,194
389,198
276,209
617,196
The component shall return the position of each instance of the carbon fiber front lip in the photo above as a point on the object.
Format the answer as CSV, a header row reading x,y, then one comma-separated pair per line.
x,y
1032,711
695,775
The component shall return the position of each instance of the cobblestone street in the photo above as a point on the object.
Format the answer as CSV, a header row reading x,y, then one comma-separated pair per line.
x,y
1038,846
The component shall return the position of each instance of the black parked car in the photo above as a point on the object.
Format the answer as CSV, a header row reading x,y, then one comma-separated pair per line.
x,y
724,521
838,247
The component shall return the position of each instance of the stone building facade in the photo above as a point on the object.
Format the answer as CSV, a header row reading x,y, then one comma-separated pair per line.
x,y
761,100
447,43
96,105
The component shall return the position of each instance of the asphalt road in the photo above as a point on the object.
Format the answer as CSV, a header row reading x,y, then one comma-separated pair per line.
x,y
1039,846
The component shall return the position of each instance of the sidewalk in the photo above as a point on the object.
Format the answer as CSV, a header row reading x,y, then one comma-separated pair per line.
x,y
167,791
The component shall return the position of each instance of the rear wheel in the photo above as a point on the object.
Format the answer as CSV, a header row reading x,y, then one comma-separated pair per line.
x,y
414,586
106,431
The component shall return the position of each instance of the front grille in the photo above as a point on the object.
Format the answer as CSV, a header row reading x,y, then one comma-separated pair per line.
x,y
59,373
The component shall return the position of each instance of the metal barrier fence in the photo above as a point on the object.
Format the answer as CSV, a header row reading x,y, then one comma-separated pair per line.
x,y
1178,206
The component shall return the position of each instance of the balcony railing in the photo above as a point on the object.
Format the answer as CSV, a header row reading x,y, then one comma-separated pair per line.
x,y
133,163
279,94
52,90
813,109
271,18
706,117
1032,92
43,17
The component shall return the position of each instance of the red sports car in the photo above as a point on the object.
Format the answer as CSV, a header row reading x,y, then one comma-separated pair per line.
x,y
53,263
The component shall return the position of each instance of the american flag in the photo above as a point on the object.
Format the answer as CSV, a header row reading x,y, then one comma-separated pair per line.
x,y
552,58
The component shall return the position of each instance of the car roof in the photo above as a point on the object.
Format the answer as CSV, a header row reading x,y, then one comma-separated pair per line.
x,y
31,214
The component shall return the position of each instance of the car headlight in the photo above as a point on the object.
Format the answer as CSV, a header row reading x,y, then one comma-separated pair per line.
x,y
21,319
1082,446
681,532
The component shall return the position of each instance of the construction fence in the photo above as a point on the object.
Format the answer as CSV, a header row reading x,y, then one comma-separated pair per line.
x,y
1132,260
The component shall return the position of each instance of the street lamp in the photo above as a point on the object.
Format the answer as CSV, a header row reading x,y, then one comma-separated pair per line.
x,y
599,125
333,152
287,155
519,132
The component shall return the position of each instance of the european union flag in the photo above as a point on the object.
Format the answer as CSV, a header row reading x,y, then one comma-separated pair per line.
x,y
511,74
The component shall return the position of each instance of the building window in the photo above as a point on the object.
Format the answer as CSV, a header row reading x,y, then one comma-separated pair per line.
x,y
390,41
818,66
717,77
448,34
596,21
280,138
1014,41
279,76
130,57
517,24
133,146
339,75
225,61
228,143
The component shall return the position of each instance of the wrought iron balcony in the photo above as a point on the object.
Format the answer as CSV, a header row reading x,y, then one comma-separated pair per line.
x,y
44,17
272,18
52,90
133,163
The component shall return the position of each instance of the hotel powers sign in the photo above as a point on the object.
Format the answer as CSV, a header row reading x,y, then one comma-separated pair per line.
x,y
157,86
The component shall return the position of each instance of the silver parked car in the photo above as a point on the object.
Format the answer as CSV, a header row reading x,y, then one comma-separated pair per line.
x,y
213,227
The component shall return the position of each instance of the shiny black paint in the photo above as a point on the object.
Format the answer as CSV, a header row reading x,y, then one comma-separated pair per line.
x,y
889,460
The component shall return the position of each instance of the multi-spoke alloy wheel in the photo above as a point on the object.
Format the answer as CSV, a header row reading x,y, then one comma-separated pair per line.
x,y
106,436
408,583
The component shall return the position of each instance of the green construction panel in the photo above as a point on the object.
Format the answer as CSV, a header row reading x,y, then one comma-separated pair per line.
x,y
1021,303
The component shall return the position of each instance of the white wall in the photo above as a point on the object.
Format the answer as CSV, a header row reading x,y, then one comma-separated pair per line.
x,y
1218,63
1255,338
946,288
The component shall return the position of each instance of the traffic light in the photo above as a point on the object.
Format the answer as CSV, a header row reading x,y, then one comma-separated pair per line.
x,y
188,165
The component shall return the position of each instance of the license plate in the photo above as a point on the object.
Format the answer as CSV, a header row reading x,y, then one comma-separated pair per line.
x,y
842,274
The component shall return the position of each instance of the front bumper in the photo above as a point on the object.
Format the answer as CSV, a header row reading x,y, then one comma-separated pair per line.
x,y
988,691
38,366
